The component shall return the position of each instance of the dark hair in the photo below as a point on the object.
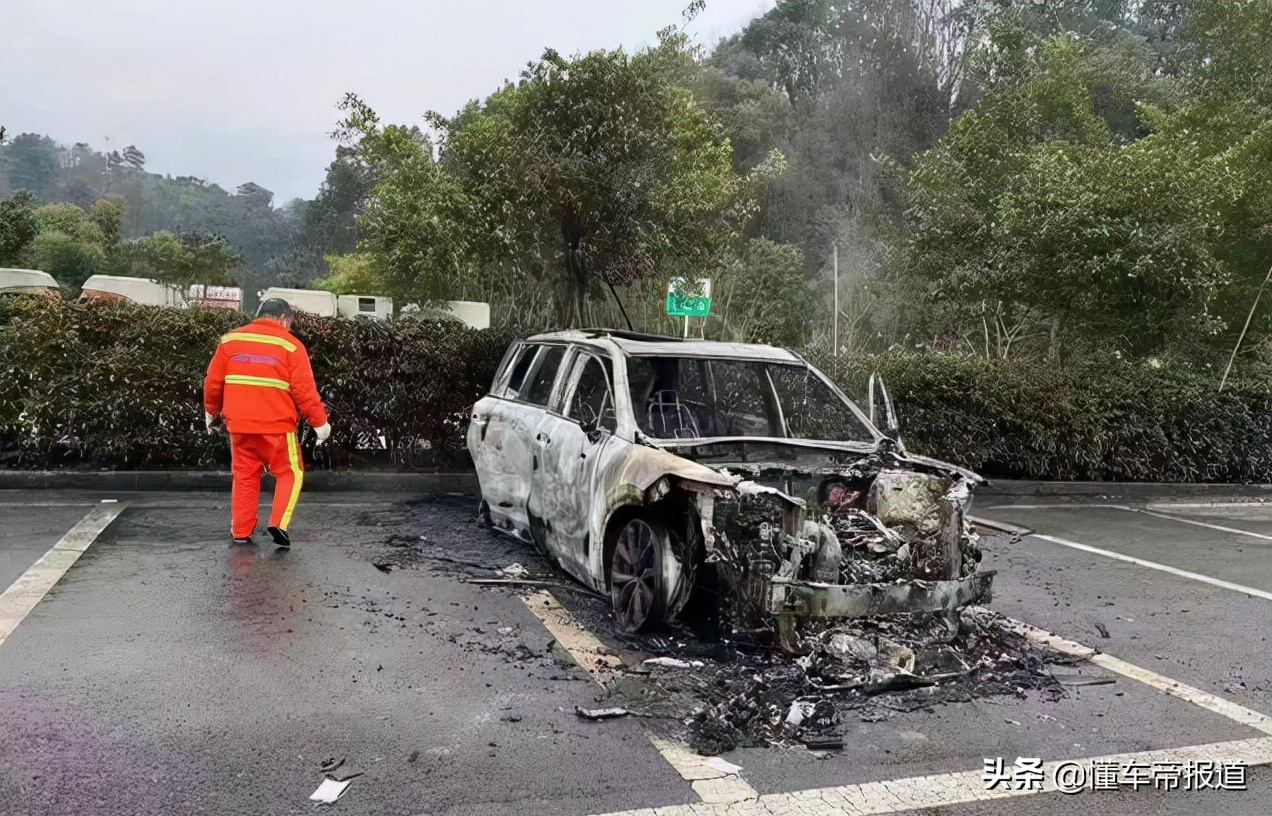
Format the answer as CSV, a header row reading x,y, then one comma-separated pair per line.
x,y
274,307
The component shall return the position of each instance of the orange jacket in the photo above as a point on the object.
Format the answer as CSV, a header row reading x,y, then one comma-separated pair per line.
x,y
258,378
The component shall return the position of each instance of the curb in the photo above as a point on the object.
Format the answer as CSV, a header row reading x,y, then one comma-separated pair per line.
x,y
161,480
1131,490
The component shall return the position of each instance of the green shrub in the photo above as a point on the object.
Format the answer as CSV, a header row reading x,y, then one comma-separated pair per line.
x,y
120,385
1112,420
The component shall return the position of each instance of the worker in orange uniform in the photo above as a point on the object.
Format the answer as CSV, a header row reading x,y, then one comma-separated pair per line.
x,y
260,382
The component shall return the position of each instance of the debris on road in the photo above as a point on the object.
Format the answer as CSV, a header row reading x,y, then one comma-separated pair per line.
x,y
673,663
601,713
329,791
717,684
514,571
512,582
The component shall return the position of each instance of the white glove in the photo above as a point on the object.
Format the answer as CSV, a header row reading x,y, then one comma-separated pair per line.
x,y
323,431
208,421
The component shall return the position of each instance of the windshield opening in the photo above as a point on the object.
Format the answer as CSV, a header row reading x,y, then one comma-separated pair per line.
x,y
694,398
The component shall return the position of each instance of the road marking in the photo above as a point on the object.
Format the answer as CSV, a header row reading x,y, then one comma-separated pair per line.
x,y
1205,579
1173,688
963,787
1001,526
1221,528
593,657
714,782
1207,524
23,594
724,793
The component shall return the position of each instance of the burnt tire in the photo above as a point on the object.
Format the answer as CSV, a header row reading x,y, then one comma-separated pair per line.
x,y
483,515
636,575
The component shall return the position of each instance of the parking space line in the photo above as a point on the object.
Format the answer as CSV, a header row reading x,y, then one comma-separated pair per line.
x,y
23,594
1170,687
1155,514
962,787
1130,559
593,657
725,793
1205,524
711,780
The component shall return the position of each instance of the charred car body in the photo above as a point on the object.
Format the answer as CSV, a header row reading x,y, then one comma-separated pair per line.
x,y
648,466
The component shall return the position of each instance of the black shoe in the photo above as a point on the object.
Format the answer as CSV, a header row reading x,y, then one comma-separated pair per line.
x,y
280,536
244,540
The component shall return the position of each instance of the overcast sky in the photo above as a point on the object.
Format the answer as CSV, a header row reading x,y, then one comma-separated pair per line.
x,y
246,90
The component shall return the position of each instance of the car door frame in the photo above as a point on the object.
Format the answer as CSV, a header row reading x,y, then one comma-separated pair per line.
x,y
506,445
564,506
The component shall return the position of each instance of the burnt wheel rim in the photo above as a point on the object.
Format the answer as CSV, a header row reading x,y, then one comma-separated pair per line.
x,y
634,575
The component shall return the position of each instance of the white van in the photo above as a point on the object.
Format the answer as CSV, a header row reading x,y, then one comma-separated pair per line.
x,y
137,290
27,280
314,301
376,306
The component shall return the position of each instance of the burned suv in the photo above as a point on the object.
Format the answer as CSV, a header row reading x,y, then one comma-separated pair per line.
x,y
649,467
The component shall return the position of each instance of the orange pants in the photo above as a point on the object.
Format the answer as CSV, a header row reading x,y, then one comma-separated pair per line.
x,y
250,456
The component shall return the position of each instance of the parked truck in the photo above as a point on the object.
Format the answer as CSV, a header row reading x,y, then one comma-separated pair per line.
x,y
27,280
314,301
137,290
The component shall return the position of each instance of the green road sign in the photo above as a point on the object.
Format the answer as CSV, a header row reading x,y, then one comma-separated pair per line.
x,y
687,298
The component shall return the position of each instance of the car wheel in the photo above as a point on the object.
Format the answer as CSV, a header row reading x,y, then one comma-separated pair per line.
x,y
636,581
483,515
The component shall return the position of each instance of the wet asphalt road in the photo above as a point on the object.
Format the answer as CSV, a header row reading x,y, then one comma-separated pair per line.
x,y
169,672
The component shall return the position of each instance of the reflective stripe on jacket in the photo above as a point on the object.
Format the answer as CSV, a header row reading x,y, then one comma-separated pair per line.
x,y
260,381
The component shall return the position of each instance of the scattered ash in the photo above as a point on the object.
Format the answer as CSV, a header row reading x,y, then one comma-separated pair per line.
x,y
735,689
870,670
452,543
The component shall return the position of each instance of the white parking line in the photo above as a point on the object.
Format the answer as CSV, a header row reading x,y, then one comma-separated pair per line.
x,y
594,657
1155,514
1206,524
1195,576
713,783
964,787
724,793
23,594
1173,688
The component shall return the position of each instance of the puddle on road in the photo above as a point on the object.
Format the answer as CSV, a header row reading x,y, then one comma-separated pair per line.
x,y
740,689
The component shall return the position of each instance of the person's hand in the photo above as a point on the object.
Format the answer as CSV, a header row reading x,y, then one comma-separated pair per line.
x,y
209,421
323,431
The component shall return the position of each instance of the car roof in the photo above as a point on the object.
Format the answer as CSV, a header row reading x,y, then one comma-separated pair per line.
x,y
635,344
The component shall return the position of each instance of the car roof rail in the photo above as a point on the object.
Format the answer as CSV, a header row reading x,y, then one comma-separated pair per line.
x,y
626,334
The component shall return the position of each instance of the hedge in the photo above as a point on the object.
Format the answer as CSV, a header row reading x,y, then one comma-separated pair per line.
x,y
119,385
116,385
1102,421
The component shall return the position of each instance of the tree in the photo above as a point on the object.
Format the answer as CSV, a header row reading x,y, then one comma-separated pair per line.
x,y
330,221
1037,205
108,215
592,170
33,164
184,259
134,158
18,227
760,296
70,261
354,273
74,223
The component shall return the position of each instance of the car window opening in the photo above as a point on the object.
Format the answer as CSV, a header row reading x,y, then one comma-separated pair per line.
x,y
691,398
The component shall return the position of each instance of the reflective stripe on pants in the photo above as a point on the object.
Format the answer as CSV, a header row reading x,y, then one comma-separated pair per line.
x,y
251,455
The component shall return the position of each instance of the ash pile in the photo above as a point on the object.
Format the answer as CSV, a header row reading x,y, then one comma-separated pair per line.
x,y
753,695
